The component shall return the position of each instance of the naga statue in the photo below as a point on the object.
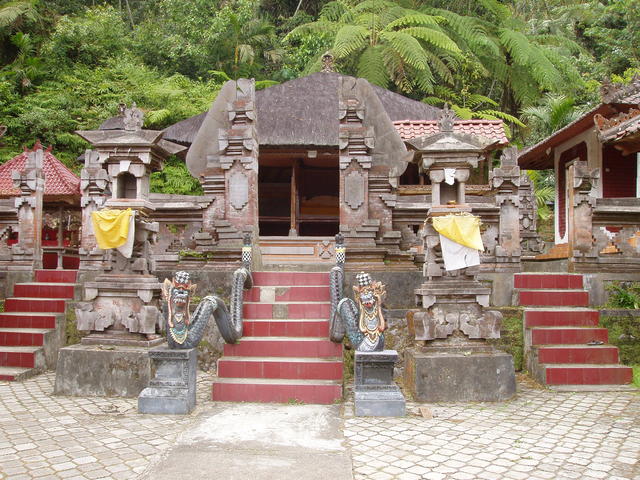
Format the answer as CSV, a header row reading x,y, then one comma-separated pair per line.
x,y
185,330
361,320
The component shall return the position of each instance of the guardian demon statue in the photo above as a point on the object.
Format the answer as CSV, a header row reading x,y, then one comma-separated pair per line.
x,y
185,330
362,319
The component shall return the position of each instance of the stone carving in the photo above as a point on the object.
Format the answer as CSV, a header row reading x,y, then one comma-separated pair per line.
x,y
185,330
362,320
238,190
447,118
354,189
133,118
327,63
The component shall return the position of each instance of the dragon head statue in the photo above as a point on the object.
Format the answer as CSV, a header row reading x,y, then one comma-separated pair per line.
x,y
369,295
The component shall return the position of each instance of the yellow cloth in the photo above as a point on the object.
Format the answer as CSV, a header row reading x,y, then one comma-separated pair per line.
x,y
111,227
463,229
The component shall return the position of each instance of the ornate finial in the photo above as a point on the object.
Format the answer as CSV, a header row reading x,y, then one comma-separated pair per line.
x,y
509,157
447,117
121,108
327,63
607,89
133,118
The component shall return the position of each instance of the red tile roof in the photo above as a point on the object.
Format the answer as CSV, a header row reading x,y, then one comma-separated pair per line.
x,y
491,129
58,179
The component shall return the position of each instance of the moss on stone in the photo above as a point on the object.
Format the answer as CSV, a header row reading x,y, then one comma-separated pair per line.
x,y
512,336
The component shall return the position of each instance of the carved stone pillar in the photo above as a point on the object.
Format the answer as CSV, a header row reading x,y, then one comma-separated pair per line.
x,y
94,186
27,253
505,179
530,242
582,183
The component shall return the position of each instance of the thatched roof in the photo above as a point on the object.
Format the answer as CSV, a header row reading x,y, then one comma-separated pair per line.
x,y
304,111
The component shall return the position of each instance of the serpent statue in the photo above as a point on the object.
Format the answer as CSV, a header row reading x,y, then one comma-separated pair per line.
x,y
361,320
185,330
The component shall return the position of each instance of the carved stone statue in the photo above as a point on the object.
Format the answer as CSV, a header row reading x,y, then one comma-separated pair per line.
x,y
185,330
362,319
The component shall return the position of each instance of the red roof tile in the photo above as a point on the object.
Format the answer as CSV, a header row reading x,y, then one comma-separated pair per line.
x,y
58,179
491,129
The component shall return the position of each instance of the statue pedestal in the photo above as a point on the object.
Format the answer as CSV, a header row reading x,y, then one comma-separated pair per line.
x,y
173,389
376,395
461,373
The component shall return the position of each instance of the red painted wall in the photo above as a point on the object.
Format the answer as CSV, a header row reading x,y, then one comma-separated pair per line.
x,y
619,173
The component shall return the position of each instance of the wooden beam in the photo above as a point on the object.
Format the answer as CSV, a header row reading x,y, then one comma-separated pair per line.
x,y
295,200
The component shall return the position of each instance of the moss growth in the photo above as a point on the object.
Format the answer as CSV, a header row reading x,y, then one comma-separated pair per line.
x,y
72,334
348,359
624,332
512,337
636,375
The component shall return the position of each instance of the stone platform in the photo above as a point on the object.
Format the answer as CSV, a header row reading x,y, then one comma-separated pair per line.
x,y
376,395
459,374
102,371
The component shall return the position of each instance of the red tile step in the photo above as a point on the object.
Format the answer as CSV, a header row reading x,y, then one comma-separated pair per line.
x,y
24,357
44,290
560,298
291,294
570,317
23,305
27,320
554,281
286,328
288,310
283,347
280,367
567,335
11,374
276,390
14,337
585,374
597,354
56,276
290,279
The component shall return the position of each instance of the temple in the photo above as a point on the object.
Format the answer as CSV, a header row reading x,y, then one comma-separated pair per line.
x,y
302,172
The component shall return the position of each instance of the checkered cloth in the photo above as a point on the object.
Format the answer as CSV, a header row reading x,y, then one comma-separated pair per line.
x,y
363,279
181,278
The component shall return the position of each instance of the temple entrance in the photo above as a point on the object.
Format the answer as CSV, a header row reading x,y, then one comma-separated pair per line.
x,y
298,194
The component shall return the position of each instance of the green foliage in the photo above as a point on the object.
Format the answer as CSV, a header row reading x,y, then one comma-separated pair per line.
x,y
175,178
624,329
512,337
544,190
623,295
551,114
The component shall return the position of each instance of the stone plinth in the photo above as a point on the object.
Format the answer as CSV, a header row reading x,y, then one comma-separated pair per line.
x,y
102,371
376,394
173,389
464,373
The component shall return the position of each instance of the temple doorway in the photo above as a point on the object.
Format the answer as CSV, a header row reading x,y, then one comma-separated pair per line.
x,y
298,193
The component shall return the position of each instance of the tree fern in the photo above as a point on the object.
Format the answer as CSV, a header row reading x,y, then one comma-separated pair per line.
x,y
371,66
432,37
349,39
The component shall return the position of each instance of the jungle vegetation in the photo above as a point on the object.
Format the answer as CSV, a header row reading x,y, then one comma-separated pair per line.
x,y
67,64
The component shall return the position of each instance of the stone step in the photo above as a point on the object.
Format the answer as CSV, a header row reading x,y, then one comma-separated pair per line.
x,y
26,357
283,310
29,304
280,367
27,320
56,276
23,336
547,280
12,374
567,335
587,374
290,279
593,354
561,298
276,390
284,347
559,317
44,290
288,294
286,328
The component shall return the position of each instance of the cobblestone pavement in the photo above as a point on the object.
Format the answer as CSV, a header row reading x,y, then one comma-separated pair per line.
x,y
43,436
538,435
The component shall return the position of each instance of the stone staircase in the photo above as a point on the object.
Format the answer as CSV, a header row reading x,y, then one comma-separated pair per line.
x,y
285,354
32,326
564,347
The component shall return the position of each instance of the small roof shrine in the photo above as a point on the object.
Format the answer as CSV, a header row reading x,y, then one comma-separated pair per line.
x,y
59,180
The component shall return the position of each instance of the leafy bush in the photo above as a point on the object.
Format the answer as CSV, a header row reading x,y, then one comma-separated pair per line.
x,y
624,329
512,337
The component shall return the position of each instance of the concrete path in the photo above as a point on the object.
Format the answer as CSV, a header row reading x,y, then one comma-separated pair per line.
x,y
253,441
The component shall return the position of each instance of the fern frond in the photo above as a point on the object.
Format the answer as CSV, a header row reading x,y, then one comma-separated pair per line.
x,y
543,71
516,44
349,39
415,19
433,37
502,12
500,115
408,48
424,79
371,66
435,101
462,112
335,11
476,99
440,67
